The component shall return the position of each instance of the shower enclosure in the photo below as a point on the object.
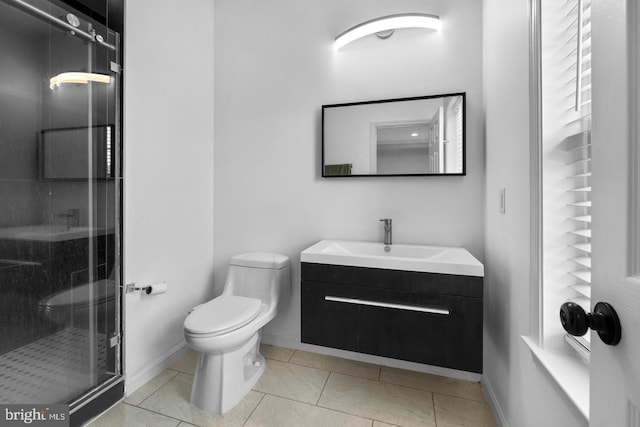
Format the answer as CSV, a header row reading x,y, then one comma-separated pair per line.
x,y
60,210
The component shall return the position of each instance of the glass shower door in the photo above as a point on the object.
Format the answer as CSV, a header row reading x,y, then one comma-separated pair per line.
x,y
60,211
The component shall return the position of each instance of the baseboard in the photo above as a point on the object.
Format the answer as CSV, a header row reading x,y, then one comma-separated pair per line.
x,y
492,400
368,358
138,379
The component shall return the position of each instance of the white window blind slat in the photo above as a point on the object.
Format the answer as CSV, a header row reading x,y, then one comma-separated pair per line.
x,y
585,303
584,275
580,147
580,175
584,340
584,247
579,161
583,289
584,204
581,190
584,261
582,233
582,218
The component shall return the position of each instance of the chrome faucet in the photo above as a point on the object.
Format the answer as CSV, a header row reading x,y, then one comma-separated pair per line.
x,y
72,217
387,230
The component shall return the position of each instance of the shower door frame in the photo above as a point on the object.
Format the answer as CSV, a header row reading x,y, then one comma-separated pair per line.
x,y
102,396
106,394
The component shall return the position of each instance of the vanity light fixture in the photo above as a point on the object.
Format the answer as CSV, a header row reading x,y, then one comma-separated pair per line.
x,y
384,26
77,77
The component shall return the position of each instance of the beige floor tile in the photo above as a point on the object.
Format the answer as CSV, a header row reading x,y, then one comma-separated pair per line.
x,y
375,424
277,353
276,411
379,401
149,388
292,381
131,416
187,364
183,424
172,399
456,412
336,364
434,383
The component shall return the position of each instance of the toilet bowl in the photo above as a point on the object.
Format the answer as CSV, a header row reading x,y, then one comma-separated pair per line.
x,y
226,331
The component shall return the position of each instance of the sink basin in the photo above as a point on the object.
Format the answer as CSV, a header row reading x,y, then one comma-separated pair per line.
x,y
52,233
430,259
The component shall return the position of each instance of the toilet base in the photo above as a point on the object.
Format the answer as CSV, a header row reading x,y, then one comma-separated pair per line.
x,y
222,380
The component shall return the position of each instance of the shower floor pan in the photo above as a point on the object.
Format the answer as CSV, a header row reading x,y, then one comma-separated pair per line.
x,y
53,369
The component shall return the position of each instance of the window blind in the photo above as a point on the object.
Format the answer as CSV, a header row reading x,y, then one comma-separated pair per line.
x,y
579,165
458,111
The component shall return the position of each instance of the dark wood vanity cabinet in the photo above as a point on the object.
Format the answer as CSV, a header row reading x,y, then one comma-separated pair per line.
x,y
428,318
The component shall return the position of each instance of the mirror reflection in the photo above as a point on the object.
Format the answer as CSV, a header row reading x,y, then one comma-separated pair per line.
x,y
398,137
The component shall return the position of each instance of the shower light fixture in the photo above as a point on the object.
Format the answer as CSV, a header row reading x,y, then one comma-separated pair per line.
x,y
386,25
77,77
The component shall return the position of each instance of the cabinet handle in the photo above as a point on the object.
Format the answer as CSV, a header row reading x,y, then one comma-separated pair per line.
x,y
388,305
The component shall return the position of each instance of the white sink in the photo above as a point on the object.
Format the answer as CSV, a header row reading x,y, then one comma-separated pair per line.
x,y
52,233
431,259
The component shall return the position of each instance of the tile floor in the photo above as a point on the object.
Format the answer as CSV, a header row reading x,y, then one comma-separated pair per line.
x,y
301,389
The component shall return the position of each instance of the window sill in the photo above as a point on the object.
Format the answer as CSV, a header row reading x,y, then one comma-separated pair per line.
x,y
568,371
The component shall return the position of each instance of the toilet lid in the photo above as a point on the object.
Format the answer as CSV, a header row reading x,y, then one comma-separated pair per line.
x,y
260,260
80,296
222,314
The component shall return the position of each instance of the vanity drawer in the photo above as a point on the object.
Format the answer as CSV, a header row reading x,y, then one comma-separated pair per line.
x,y
450,338
325,323
413,281
414,325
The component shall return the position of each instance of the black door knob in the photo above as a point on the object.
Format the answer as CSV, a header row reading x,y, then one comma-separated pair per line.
x,y
604,320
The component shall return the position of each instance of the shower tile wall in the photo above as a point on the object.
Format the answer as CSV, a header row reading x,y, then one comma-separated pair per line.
x,y
22,276
20,111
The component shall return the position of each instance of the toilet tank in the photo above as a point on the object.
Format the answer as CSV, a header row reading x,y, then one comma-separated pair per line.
x,y
262,275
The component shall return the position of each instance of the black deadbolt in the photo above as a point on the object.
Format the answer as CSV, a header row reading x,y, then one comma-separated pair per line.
x,y
604,320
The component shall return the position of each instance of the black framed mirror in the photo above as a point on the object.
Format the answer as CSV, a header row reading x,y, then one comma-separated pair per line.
x,y
418,136
77,154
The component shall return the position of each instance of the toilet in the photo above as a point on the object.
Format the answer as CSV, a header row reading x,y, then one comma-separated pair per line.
x,y
76,307
226,331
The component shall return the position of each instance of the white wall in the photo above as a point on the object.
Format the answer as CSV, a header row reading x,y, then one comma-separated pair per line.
x,y
523,392
274,68
168,173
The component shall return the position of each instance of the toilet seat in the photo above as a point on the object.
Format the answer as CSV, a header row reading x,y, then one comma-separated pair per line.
x,y
75,307
81,296
221,315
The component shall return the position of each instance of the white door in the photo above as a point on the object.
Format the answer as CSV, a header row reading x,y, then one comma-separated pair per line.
x,y
615,370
